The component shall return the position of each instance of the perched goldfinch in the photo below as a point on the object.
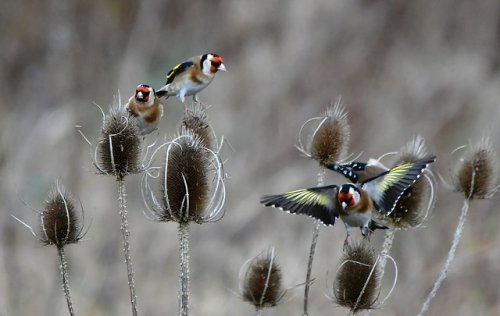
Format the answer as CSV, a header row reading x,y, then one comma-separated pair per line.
x,y
146,107
191,76
353,202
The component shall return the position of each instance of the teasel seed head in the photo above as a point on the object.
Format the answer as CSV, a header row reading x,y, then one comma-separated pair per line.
x,y
358,279
196,121
261,284
191,184
60,223
476,174
415,204
119,148
329,141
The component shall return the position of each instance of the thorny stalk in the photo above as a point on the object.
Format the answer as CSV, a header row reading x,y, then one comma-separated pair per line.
x,y
449,259
451,252
184,269
386,248
126,244
63,267
312,250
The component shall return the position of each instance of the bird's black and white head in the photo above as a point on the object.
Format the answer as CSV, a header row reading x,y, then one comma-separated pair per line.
x,y
145,94
211,63
348,195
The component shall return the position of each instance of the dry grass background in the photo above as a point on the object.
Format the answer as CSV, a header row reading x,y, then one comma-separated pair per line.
x,y
401,67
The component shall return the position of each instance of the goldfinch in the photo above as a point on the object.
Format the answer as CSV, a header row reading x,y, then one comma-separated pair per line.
x,y
146,107
353,202
191,76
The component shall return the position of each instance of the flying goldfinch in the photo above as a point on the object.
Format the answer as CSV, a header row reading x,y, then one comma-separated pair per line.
x,y
353,202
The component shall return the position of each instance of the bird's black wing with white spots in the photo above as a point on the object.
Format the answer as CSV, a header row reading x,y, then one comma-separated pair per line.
x,y
387,188
320,202
349,170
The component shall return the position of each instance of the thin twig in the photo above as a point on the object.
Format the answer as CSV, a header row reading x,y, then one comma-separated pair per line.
x,y
184,269
453,249
312,250
384,254
386,249
449,259
126,243
63,267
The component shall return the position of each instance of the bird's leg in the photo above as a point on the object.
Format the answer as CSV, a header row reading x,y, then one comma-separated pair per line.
x,y
182,97
196,98
182,94
366,232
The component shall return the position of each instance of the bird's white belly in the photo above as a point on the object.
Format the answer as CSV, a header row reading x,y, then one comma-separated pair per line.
x,y
357,219
188,87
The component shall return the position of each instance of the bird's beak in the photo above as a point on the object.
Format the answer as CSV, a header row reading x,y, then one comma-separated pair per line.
x,y
139,95
222,67
344,205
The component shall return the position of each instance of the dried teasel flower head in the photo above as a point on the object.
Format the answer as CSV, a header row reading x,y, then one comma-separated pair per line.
x,y
191,183
329,141
261,283
476,174
60,223
358,280
415,204
119,148
196,121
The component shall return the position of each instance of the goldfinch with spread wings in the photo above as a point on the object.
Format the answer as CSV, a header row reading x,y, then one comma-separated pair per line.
x,y
353,202
192,76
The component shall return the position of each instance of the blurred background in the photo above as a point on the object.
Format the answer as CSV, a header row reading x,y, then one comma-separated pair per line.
x,y
402,68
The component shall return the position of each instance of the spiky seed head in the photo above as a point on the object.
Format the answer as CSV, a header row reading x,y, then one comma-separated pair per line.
x,y
185,180
357,281
60,223
119,148
476,174
413,207
262,283
196,121
330,140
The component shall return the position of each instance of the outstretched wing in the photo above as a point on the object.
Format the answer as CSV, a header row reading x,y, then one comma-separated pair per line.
x,y
180,68
349,170
320,202
387,188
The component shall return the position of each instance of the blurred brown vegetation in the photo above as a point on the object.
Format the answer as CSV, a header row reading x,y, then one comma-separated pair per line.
x,y
402,68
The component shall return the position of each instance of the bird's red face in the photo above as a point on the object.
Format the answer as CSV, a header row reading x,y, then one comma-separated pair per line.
x,y
216,64
348,195
143,93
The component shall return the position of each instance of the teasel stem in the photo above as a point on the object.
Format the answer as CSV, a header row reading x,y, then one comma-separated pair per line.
x,y
184,269
63,267
126,244
386,249
449,259
390,233
312,250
